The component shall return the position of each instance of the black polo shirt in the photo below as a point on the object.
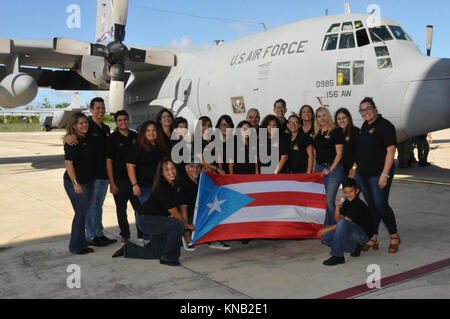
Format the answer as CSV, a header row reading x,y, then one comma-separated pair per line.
x,y
83,156
98,136
117,148
371,146
325,145
242,150
165,197
282,146
310,133
298,155
359,213
146,163
188,194
350,149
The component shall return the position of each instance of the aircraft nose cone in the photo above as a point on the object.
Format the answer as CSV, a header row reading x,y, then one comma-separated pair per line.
x,y
426,106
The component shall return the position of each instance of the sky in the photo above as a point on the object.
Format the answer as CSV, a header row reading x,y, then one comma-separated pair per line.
x,y
197,23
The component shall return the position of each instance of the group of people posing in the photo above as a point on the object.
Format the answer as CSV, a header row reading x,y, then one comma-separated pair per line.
x,y
144,168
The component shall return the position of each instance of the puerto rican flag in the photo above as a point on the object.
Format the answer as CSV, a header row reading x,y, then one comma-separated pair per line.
x,y
259,206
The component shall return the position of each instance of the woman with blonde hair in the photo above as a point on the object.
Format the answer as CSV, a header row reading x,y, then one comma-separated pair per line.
x,y
328,142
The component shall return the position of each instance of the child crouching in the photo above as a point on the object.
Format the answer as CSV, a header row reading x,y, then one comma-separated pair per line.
x,y
353,228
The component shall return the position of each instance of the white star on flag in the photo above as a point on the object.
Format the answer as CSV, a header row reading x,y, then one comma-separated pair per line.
x,y
215,206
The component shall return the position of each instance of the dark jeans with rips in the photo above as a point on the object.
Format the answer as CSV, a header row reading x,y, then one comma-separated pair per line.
x,y
124,195
166,236
80,204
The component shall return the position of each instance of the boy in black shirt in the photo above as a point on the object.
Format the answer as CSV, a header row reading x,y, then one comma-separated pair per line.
x,y
117,147
353,228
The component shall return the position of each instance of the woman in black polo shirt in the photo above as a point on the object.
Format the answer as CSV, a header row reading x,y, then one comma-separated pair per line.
x,y
344,120
329,147
165,120
271,122
245,160
306,115
375,151
161,218
301,153
80,161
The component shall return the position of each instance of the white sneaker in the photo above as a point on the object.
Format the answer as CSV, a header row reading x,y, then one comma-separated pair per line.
x,y
187,246
219,245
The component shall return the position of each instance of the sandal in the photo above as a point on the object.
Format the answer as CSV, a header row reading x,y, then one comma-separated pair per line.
x,y
372,243
393,247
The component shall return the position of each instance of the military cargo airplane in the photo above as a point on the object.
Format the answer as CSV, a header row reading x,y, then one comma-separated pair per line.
x,y
333,60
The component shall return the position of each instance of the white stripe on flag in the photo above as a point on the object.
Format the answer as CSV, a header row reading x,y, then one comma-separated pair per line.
x,y
277,186
277,213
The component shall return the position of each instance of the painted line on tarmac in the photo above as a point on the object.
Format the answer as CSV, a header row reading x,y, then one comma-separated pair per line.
x,y
390,281
420,181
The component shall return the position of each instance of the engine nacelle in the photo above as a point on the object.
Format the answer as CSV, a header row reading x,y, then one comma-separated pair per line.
x,y
17,89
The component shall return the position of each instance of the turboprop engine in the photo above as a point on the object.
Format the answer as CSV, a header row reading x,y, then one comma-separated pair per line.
x,y
17,89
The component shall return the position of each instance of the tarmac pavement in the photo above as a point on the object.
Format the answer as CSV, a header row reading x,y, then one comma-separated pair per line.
x,y
36,218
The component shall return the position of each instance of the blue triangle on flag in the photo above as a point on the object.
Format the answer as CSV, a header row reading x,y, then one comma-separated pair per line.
x,y
215,204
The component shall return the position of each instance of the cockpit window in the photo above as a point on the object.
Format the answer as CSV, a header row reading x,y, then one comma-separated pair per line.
x,y
334,28
347,26
399,34
362,38
359,25
384,63
347,41
381,51
380,34
330,42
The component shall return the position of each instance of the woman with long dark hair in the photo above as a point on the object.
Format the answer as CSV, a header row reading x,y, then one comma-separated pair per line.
x,y
161,218
344,120
374,167
245,160
165,120
271,123
306,115
225,125
80,161
301,151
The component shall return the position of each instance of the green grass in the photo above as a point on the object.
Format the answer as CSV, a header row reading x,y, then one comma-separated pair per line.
x,y
20,127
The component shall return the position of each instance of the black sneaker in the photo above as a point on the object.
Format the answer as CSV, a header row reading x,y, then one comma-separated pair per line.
x,y
357,250
108,240
97,242
85,251
168,263
118,253
333,261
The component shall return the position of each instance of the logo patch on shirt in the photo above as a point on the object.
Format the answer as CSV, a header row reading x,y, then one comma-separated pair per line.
x,y
296,147
347,138
372,130
95,134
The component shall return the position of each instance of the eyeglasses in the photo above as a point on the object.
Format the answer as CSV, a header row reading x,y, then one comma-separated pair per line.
x,y
251,117
369,108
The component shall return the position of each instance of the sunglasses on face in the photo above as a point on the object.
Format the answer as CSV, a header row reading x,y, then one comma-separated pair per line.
x,y
369,108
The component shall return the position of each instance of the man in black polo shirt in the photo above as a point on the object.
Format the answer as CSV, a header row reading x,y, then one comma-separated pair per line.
x,y
279,109
188,198
118,144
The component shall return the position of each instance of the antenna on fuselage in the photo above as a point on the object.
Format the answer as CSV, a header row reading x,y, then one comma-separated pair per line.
x,y
347,8
326,12
264,26
430,30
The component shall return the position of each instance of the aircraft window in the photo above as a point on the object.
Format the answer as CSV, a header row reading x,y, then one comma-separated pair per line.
x,y
334,28
384,63
381,51
380,34
358,72
347,26
398,32
343,73
358,24
330,42
362,38
347,41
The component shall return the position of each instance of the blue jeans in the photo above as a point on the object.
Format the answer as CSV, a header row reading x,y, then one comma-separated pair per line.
x,y
344,238
145,195
378,201
80,206
332,182
166,236
94,226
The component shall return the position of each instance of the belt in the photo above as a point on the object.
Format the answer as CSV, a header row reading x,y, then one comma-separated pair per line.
x,y
324,164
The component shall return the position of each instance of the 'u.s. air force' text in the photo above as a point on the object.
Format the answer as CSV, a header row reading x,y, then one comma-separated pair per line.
x,y
271,50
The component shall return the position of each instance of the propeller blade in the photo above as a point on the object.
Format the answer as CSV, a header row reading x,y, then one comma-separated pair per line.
x,y
161,58
72,47
6,46
429,39
116,96
120,11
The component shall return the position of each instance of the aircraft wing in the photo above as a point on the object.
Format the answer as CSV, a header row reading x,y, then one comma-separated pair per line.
x,y
34,53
